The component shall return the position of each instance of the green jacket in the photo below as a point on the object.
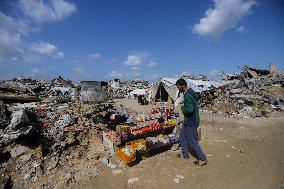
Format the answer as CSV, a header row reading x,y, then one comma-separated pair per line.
x,y
191,109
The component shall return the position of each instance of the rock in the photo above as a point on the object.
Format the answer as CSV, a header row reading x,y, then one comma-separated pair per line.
x,y
241,150
234,148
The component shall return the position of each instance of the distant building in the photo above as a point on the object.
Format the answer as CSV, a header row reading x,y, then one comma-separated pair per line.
x,y
272,68
115,83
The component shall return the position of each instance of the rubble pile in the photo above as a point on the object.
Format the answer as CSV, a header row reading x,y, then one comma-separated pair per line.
x,y
29,90
45,143
246,94
50,139
121,89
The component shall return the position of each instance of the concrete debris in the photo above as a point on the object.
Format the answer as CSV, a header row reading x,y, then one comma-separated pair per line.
x,y
4,116
124,89
20,126
54,129
252,93
19,150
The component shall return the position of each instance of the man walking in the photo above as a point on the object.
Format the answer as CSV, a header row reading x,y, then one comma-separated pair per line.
x,y
188,133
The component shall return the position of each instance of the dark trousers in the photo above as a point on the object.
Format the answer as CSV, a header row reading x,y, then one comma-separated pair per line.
x,y
188,137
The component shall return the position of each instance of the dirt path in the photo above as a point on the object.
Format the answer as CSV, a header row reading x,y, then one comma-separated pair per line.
x,y
242,153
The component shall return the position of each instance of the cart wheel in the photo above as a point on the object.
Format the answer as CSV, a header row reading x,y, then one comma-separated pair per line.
x,y
146,154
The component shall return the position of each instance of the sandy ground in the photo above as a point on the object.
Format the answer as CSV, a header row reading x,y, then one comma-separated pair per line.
x,y
242,154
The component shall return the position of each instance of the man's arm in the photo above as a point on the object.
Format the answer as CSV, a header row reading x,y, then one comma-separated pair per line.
x,y
188,105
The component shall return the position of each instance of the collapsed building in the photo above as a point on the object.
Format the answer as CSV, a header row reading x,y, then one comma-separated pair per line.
x,y
124,89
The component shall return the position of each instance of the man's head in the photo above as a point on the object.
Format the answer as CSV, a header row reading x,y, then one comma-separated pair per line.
x,y
181,85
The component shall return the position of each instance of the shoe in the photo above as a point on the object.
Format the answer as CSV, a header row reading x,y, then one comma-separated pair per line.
x,y
201,163
181,156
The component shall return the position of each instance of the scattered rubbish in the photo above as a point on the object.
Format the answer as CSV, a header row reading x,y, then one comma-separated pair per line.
x,y
133,180
234,148
111,165
104,161
228,156
241,150
116,172
282,183
176,180
180,176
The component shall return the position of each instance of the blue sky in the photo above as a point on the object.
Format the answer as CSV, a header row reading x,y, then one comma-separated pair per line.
x,y
141,39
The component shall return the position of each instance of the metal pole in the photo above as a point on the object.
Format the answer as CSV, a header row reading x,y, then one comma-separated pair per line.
x,y
160,93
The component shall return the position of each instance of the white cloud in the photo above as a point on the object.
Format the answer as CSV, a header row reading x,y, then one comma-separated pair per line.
x,y
15,30
151,64
46,49
41,11
224,15
11,45
213,74
152,77
241,29
38,72
136,74
95,56
115,74
133,60
81,71
136,68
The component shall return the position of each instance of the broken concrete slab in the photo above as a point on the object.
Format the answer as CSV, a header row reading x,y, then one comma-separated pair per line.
x,y
19,150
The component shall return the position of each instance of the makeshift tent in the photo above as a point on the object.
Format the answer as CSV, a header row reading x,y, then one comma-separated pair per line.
x,y
164,88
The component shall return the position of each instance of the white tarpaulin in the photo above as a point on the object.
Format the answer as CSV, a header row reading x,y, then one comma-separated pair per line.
x,y
169,85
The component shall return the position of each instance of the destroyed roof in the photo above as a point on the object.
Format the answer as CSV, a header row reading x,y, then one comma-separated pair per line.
x,y
62,82
253,72
138,92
